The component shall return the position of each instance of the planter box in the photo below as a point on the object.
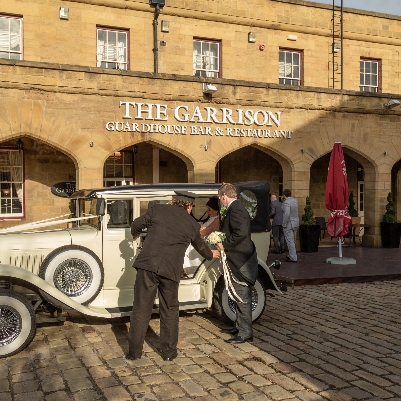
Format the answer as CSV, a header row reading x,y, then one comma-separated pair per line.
x,y
309,238
390,234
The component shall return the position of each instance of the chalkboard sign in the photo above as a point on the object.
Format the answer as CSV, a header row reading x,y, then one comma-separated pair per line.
x,y
63,189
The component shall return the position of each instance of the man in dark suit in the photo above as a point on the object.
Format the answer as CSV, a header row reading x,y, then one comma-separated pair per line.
x,y
170,229
241,258
276,212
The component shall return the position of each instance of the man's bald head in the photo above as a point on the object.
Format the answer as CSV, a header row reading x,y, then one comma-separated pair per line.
x,y
273,198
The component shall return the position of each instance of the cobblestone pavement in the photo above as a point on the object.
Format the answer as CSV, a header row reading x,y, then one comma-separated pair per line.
x,y
331,342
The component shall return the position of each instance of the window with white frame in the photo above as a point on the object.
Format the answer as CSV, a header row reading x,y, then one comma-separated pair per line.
x,y
369,80
290,67
10,37
118,169
112,48
206,58
11,183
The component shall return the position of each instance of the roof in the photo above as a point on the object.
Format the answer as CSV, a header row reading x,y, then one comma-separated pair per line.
x,y
94,193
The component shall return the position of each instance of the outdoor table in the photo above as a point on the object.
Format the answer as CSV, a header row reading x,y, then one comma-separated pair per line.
x,y
352,229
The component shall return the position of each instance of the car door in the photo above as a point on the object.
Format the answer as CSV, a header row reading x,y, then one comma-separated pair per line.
x,y
119,251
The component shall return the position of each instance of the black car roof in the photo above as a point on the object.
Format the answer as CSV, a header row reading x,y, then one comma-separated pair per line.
x,y
93,193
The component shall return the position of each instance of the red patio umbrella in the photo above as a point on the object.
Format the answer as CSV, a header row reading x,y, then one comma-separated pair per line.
x,y
336,197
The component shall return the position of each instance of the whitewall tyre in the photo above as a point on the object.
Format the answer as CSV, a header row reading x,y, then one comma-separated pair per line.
x,y
224,306
17,323
74,270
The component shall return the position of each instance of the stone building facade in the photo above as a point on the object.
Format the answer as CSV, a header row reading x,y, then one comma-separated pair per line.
x,y
96,116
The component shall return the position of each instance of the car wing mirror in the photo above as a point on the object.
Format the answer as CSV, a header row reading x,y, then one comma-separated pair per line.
x,y
100,207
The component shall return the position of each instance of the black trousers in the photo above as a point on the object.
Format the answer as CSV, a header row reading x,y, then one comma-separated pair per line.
x,y
278,235
243,321
146,285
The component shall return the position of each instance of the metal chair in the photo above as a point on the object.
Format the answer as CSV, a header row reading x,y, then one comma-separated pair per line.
x,y
323,225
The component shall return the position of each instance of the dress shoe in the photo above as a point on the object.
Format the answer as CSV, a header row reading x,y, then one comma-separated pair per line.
x,y
276,252
287,259
131,358
239,340
282,251
169,358
233,330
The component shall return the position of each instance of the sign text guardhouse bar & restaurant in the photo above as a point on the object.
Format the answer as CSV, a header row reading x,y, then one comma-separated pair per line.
x,y
206,115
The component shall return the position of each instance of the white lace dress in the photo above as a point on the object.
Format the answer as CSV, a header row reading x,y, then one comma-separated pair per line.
x,y
192,258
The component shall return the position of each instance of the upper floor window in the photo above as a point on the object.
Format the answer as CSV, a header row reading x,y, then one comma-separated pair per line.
x,y
10,37
112,48
290,67
369,80
11,183
206,58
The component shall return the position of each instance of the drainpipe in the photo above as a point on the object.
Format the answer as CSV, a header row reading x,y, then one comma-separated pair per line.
x,y
155,48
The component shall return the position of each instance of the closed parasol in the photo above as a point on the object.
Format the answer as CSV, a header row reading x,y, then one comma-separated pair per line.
x,y
336,196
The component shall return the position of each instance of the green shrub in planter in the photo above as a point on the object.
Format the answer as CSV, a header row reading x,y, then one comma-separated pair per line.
x,y
351,205
390,231
309,231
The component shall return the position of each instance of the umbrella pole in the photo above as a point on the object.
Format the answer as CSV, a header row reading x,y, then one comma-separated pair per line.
x,y
340,250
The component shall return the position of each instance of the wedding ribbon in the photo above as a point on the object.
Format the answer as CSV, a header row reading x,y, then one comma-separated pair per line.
x,y
43,223
227,279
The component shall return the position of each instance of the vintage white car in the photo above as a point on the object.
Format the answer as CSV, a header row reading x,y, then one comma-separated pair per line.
x,y
87,266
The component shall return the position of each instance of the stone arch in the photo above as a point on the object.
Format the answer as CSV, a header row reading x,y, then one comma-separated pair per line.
x,y
154,162
262,163
353,159
44,166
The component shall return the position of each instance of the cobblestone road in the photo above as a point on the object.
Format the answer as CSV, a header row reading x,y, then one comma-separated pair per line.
x,y
331,342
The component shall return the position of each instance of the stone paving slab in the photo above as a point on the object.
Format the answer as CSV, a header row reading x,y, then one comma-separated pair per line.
x,y
331,342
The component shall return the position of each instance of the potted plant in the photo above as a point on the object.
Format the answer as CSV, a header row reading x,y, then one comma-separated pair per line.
x,y
351,205
309,231
389,229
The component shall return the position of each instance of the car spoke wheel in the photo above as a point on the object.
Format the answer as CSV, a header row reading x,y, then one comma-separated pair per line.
x,y
74,270
73,277
17,323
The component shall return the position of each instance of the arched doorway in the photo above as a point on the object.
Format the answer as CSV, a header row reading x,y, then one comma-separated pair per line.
x,y
144,163
396,188
29,169
251,164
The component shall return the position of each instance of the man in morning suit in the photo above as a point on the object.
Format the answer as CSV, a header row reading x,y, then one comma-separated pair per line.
x,y
241,258
276,212
290,224
170,229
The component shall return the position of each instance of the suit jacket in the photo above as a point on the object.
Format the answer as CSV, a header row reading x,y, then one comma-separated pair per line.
x,y
239,248
276,212
290,217
170,230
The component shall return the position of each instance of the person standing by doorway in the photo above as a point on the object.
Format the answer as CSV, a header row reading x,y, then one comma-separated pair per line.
x,y
276,212
290,224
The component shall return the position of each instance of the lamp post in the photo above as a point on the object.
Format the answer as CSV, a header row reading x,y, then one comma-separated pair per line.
x,y
157,4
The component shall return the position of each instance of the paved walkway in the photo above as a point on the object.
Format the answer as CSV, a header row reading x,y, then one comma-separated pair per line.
x,y
329,342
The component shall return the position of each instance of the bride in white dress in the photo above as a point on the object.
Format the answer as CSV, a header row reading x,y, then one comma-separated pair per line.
x,y
192,258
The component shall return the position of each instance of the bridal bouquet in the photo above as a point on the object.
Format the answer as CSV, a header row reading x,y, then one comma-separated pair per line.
x,y
215,237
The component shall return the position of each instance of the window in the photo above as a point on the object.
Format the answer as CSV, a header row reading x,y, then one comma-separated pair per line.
x,y
369,75
206,58
10,37
11,183
112,48
118,169
289,67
